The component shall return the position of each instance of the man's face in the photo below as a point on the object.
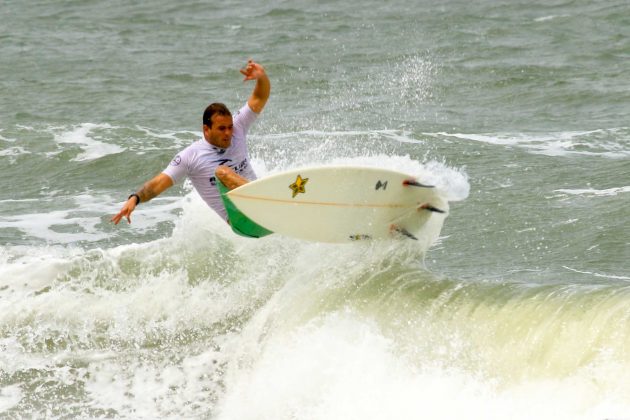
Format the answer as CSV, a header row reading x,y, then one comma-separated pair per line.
x,y
220,134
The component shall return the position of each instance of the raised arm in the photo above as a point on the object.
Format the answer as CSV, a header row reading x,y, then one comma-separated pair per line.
x,y
149,190
258,99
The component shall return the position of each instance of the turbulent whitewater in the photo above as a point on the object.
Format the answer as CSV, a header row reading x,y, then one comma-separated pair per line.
x,y
516,110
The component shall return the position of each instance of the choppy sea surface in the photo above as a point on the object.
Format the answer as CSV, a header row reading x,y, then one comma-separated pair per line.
x,y
518,109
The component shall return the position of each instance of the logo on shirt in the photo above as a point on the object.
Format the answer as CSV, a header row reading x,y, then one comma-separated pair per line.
x,y
222,161
176,161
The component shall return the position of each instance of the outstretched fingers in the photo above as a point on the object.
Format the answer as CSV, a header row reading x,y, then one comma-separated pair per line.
x,y
124,212
117,218
252,70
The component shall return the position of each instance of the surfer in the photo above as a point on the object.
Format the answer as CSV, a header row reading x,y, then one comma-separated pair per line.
x,y
222,153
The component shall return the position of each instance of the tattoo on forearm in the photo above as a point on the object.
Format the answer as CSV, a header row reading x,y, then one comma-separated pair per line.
x,y
146,193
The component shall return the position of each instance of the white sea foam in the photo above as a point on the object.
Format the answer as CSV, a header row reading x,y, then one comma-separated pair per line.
x,y
544,18
10,396
597,193
13,152
177,139
5,138
342,366
601,275
170,135
99,140
84,220
133,294
41,225
549,17
556,144
83,136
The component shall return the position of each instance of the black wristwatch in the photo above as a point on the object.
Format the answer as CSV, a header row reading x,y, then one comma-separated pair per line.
x,y
137,198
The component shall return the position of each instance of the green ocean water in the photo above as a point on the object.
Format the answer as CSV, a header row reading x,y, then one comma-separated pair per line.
x,y
518,109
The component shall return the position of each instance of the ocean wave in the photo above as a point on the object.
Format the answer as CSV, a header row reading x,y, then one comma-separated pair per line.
x,y
83,218
84,136
86,142
608,192
609,143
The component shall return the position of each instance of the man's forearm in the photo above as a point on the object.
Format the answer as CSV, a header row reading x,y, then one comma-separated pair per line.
x,y
262,88
154,187
260,94
146,193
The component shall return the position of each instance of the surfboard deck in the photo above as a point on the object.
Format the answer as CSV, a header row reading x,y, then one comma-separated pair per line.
x,y
341,204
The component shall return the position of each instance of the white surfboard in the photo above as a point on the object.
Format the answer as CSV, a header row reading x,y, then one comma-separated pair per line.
x,y
343,204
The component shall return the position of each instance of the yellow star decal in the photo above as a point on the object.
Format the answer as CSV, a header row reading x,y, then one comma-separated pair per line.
x,y
298,186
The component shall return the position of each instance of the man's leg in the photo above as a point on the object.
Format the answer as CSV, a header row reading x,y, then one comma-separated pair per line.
x,y
229,178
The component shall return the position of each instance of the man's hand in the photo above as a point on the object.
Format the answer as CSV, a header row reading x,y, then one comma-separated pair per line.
x,y
252,71
126,210
151,189
258,98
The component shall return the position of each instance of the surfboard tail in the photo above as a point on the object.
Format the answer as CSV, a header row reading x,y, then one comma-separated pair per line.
x,y
241,224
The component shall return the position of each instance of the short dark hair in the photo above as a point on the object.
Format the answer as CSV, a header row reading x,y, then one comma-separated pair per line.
x,y
212,109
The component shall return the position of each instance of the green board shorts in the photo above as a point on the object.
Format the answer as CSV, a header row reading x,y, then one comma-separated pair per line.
x,y
241,224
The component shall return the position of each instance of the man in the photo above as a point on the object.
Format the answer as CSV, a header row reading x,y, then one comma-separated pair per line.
x,y
222,153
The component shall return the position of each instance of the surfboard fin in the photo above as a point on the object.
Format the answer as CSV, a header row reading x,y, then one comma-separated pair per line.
x,y
404,232
431,208
414,183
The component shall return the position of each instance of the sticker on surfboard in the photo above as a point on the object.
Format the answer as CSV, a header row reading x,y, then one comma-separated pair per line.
x,y
298,187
